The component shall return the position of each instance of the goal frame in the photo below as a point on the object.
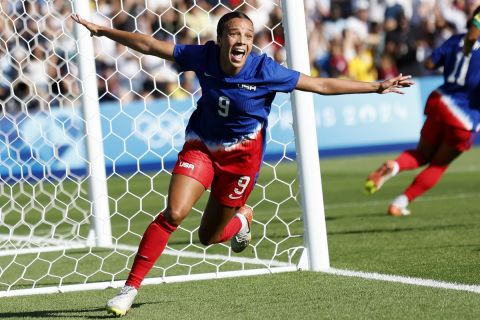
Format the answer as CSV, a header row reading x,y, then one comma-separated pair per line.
x,y
315,255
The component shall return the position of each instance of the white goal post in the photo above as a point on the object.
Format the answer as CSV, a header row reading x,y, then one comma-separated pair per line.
x,y
89,131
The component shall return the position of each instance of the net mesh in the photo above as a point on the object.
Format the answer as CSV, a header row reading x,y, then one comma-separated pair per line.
x,y
46,237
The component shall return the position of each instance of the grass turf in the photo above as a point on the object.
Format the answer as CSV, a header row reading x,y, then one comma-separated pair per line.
x,y
438,241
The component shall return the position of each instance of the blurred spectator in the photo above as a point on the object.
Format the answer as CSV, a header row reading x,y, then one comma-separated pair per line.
x,y
347,38
337,64
334,24
400,43
387,67
358,23
362,66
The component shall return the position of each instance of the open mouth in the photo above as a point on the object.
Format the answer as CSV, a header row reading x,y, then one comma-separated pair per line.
x,y
237,54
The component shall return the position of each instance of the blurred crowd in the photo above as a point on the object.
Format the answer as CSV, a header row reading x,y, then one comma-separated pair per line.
x,y
355,39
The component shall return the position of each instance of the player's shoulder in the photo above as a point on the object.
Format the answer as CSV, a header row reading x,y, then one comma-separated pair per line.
x,y
261,59
455,39
260,64
208,47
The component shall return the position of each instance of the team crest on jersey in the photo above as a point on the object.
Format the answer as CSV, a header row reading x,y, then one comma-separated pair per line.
x,y
247,86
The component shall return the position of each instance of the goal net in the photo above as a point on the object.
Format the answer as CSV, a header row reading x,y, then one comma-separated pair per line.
x,y
83,173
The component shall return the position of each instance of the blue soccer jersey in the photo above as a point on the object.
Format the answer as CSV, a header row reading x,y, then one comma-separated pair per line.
x,y
461,90
232,108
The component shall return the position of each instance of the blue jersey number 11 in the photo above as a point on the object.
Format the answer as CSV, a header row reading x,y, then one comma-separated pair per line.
x,y
461,63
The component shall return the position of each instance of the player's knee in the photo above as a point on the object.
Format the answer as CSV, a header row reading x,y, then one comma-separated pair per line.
x,y
174,217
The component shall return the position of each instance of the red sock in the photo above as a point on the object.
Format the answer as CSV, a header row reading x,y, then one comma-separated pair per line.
x,y
424,181
231,229
410,159
151,247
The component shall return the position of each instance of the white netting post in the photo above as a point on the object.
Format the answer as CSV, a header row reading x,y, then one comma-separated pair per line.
x,y
91,110
305,137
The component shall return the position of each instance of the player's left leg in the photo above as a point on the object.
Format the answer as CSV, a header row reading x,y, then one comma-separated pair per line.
x,y
226,215
430,140
219,222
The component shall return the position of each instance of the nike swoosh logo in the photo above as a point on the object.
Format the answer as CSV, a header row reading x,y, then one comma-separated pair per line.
x,y
233,197
208,75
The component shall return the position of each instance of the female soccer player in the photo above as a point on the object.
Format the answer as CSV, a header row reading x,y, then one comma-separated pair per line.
x,y
225,136
453,119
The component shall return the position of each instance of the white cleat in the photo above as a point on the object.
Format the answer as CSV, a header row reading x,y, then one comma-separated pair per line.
x,y
242,239
398,207
122,302
397,211
377,178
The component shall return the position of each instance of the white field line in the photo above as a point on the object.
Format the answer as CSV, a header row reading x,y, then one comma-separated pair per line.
x,y
421,199
405,280
369,203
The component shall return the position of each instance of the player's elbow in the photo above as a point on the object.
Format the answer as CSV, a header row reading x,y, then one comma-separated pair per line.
x,y
145,45
145,48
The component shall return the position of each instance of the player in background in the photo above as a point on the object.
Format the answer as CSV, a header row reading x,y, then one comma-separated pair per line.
x,y
225,136
453,119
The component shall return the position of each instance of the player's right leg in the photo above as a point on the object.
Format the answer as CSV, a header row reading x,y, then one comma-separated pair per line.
x,y
183,193
191,176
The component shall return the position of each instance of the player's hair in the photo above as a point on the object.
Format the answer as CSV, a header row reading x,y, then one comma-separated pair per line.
x,y
470,21
227,17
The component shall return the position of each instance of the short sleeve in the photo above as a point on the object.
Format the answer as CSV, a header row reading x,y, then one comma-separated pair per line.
x,y
279,78
188,57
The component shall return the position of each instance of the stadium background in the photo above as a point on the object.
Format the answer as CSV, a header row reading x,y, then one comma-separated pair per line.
x,y
439,241
358,39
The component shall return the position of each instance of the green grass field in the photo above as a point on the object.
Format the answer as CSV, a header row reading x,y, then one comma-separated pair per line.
x,y
439,241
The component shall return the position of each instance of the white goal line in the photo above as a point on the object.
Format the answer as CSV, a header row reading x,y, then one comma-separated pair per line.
x,y
405,280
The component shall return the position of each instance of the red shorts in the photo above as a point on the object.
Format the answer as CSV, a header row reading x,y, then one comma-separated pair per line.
x,y
230,172
436,108
436,132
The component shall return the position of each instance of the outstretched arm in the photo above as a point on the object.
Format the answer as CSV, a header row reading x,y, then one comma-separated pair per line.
x,y
331,86
137,41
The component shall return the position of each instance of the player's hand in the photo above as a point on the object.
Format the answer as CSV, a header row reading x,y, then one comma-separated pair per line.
x,y
92,27
394,84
